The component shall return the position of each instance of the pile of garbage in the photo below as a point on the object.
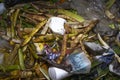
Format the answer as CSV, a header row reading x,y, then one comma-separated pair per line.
x,y
42,41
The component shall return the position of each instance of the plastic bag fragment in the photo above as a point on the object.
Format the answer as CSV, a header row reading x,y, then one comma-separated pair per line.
x,y
50,53
106,58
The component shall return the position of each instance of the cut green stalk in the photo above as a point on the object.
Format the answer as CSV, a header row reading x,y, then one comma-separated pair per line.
x,y
14,54
14,20
12,67
9,68
70,14
33,32
21,59
33,52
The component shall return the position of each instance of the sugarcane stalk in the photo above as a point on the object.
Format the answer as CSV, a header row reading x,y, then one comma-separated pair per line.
x,y
83,48
90,26
35,17
21,59
50,37
29,19
63,51
45,28
12,67
45,38
14,53
14,20
72,15
14,75
82,36
9,68
38,27
33,51
66,17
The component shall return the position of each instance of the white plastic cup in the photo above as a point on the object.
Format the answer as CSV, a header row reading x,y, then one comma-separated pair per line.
x,y
57,73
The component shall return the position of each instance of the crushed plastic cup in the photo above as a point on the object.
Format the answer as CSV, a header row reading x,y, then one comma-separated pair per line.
x,y
79,62
56,24
57,73
106,58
